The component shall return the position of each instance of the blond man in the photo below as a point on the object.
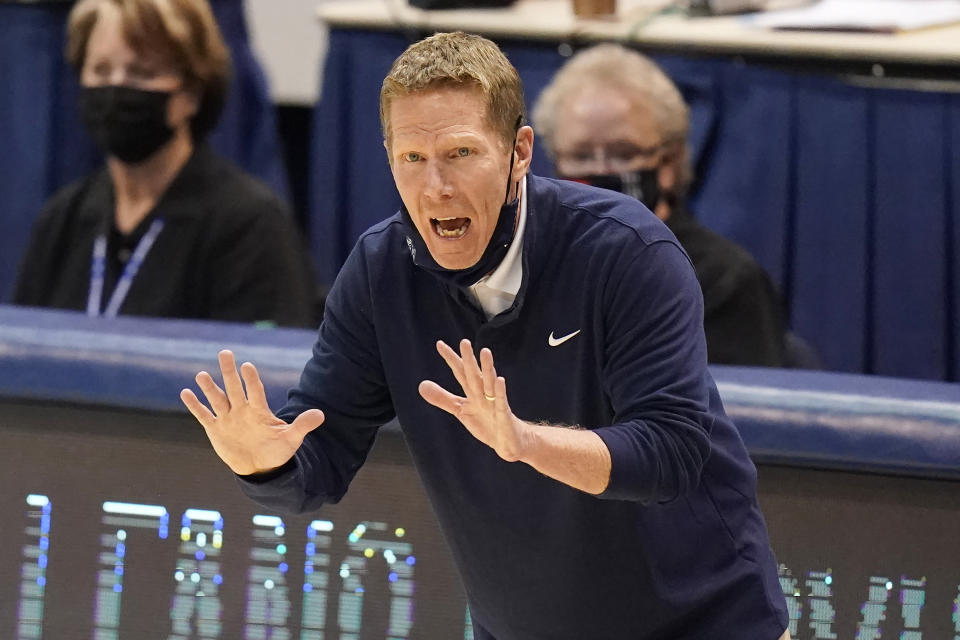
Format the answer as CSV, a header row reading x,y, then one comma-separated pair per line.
x,y
540,342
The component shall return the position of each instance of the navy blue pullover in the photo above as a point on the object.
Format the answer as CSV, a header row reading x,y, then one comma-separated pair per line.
x,y
675,548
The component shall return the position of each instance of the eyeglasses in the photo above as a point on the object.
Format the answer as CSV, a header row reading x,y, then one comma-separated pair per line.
x,y
617,157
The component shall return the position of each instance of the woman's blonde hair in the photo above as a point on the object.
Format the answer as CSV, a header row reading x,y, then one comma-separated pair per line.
x,y
182,32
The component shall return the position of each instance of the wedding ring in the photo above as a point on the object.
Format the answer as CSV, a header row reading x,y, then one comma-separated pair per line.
x,y
490,398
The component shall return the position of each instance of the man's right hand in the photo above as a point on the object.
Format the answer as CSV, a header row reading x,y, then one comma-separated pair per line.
x,y
242,429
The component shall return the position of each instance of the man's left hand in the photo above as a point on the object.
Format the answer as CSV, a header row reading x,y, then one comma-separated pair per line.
x,y
484,411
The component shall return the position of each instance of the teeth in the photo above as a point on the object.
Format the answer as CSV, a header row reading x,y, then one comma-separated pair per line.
x,y
452,233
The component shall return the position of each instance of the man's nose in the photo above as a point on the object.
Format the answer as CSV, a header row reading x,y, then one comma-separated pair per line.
x,y
116,78
438,185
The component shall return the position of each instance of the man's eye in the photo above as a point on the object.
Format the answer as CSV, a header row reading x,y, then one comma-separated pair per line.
x,y
412,156
142,73
463,152
621,156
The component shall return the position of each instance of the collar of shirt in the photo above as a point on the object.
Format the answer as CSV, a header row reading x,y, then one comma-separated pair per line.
x,y
496,291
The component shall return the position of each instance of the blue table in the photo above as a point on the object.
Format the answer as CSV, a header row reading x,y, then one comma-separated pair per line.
x,y
858,479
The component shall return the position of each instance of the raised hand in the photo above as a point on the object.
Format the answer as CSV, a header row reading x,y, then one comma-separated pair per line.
x,y
246,435
484,409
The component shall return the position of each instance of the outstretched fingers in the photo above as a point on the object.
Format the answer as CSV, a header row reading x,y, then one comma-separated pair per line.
x,y
471,370
232,383
488,373
307,422
199,411
256,394
500,393
478,379
440,397
454,362
220,401
214,394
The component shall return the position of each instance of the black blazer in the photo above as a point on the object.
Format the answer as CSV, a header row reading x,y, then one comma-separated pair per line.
x,y
228,250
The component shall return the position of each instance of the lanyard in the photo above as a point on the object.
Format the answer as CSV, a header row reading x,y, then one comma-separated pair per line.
x,y
99,265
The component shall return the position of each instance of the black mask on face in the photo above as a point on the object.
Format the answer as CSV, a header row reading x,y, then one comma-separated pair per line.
x,y
641,184
130,124
492,256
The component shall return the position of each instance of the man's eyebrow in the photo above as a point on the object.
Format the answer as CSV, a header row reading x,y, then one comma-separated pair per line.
x,y
625,144
413,141
456,135
417,132
579,147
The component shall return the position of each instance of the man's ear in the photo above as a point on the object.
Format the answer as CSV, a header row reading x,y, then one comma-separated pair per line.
x,y
523,150
667,177
386,145
669,168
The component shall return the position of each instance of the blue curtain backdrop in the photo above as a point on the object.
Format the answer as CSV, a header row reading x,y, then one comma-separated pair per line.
x,y
847,195
42,144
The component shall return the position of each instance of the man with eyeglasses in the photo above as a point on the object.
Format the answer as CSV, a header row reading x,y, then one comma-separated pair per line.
x,y
612,119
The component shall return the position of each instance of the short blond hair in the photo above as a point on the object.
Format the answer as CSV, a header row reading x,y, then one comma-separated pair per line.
x,y
458,59
183,32
634,73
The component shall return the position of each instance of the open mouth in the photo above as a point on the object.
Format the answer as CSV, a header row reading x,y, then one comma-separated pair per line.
x,y
450,227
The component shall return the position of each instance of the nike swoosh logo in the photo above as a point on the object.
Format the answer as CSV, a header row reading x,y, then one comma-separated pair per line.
x,y
556,342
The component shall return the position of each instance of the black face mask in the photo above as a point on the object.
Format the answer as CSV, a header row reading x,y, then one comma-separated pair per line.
x,y
492,256
130,124
641,184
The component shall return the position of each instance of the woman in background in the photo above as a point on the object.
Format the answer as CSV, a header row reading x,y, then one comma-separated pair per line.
x,y
167,228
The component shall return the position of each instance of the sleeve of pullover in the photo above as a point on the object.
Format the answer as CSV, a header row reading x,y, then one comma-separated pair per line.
x,y
344,378
655,372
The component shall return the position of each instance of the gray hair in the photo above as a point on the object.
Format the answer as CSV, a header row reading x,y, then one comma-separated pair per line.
x,y
623,68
